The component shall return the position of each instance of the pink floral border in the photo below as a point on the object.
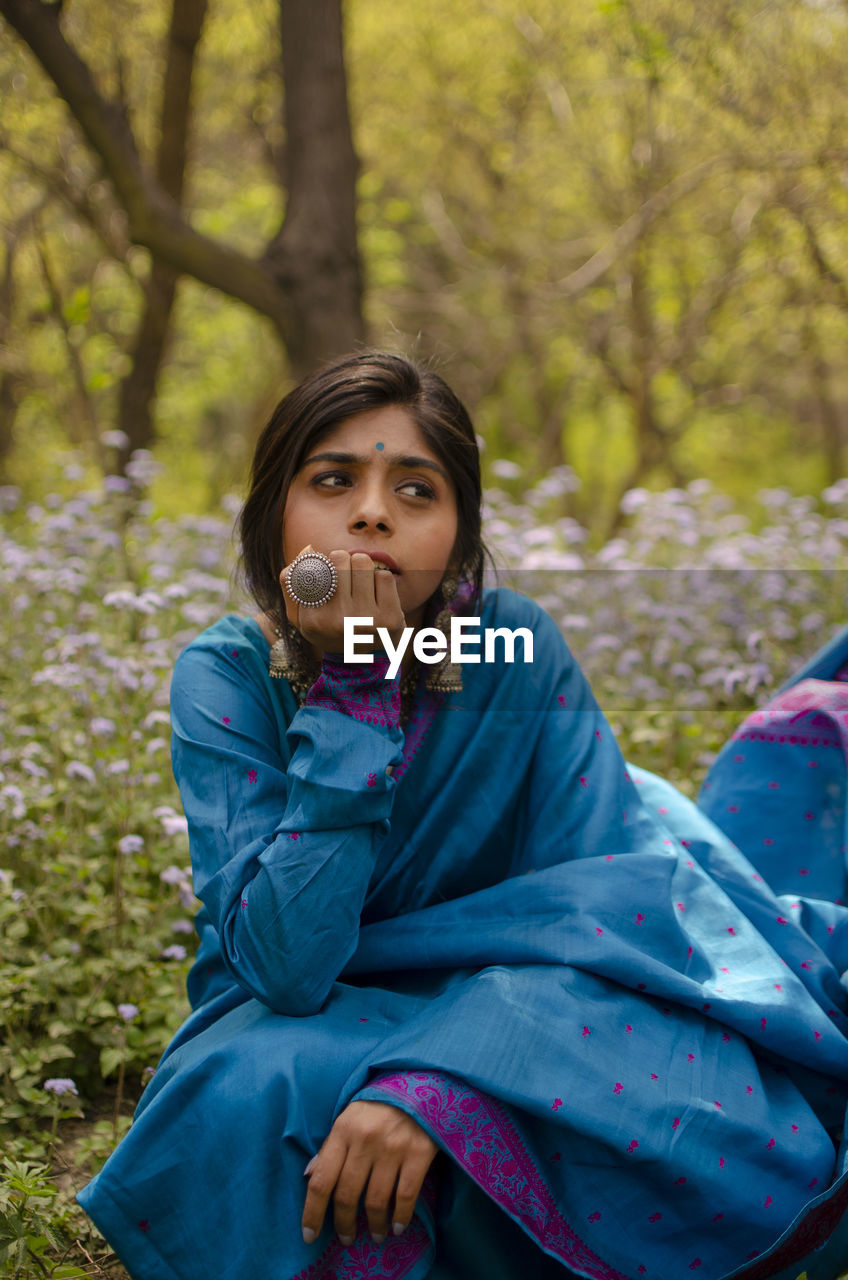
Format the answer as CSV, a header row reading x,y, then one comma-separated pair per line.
x,y
484,1142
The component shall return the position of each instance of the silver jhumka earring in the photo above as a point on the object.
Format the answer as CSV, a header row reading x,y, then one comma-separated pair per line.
x,y
445,676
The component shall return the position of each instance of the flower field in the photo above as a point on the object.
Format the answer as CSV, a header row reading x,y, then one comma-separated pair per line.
x,y
685,621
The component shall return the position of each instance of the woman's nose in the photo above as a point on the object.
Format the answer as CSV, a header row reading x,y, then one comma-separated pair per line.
x,y
371,509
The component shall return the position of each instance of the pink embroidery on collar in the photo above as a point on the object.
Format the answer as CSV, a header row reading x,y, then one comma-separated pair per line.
x,y
422,717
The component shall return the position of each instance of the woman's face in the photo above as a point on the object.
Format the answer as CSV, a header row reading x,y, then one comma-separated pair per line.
x,y
374,485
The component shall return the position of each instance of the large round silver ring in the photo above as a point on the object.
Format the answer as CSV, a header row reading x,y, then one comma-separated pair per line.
x,y
311,579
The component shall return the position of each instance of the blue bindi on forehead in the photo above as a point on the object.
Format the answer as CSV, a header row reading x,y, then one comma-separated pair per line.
x,y
380,445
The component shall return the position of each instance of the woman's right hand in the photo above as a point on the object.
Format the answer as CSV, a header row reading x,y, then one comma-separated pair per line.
x,y
363,591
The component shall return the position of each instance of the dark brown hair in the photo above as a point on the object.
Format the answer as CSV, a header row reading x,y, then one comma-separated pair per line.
x,y
338,390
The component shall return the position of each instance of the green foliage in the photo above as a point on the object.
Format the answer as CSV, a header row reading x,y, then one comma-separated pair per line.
x,y
95,897
30,1226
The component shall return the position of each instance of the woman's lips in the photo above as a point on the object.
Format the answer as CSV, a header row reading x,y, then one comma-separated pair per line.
x,y
379,557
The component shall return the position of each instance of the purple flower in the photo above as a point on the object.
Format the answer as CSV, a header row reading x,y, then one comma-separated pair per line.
x,y
182,926
174,952
128,1012
172,875
102,727
187,898
77,769
60,1086
131,844
115,439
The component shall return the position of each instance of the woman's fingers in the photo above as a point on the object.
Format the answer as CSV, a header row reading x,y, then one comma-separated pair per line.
x,y
323,1176
375,1149
363,590
409,1184
348,1193
378,1198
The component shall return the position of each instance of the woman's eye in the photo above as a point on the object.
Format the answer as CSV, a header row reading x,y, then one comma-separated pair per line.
x,y
331,480
417,489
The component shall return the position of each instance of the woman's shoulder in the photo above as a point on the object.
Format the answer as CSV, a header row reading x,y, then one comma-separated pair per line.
x,y
502,606
233,643
233,630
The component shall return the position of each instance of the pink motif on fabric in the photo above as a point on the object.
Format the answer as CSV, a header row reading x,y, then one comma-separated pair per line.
x,y
252,775
359,692
821,706
391,1260
484,1142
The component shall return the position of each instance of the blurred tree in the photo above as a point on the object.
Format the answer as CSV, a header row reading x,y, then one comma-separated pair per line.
x,y
598,220
620,228
307,277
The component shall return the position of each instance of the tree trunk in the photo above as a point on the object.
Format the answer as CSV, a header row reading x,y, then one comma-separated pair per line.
x,y
138,389
829,414
307,280
315,257
8,397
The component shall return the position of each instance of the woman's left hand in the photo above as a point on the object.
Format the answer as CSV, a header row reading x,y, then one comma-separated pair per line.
x,y
373,1148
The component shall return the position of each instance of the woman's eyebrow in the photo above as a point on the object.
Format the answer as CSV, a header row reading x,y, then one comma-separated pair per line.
x,y
393,459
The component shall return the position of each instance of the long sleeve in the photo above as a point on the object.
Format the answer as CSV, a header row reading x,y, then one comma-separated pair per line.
x,y
284,827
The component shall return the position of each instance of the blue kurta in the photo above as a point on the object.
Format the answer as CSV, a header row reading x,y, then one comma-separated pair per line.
x,y
627,1038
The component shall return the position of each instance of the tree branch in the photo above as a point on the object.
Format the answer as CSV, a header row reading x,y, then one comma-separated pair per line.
x,y
138,387
823,265
57,183
155,219
684,184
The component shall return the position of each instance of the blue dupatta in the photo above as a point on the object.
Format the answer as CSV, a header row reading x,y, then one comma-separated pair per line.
x,y
625,1036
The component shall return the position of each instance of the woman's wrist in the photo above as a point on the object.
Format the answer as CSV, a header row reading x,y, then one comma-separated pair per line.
x,y
361,690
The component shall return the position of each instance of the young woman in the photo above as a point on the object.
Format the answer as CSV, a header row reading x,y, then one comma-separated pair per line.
x,y
473,998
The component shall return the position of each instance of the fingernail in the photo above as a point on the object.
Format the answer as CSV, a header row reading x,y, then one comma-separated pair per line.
x,y
309,1167
346,1240
379,1239
398,1228
308,1235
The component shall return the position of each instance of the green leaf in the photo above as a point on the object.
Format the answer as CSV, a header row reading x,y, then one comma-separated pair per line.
x,y
110,1060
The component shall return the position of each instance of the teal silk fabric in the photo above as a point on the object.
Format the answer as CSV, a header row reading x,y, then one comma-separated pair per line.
x,y
620,1015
